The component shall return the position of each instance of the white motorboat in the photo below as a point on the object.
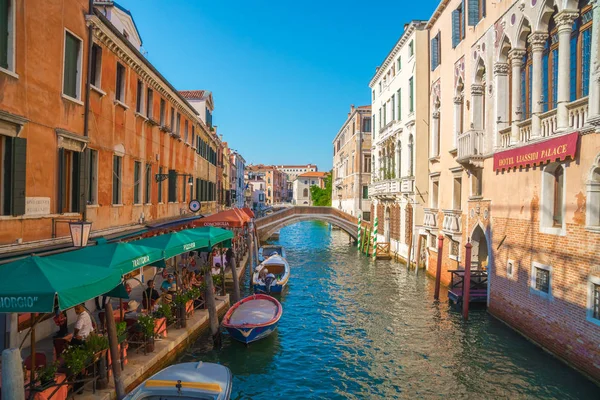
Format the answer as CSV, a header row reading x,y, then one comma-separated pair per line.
x,y
186,381
268,250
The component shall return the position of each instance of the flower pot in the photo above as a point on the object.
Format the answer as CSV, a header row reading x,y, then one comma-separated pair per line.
x,y
189,308
150,346
160,326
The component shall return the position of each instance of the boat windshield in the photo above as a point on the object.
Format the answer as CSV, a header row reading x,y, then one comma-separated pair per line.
x,y
270,252
176,397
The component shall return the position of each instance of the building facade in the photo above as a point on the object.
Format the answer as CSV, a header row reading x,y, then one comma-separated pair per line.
x,y
399,179
352,164
238,185
138,155
302,184
514,163
276,182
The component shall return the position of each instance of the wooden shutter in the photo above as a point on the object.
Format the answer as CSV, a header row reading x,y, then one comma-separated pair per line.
x,y
4,17
434,53
119,84
70,72
456,31
482,8
462,23
19,178
78,182
473,12
61,181
197,189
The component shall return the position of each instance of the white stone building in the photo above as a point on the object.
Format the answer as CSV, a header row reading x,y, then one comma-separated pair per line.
x,y
302,184
399,92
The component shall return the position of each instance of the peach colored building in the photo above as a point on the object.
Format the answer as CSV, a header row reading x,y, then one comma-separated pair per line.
x,y
515,163
141,154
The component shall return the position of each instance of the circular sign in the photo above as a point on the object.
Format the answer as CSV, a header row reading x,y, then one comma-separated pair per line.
x,y
194,205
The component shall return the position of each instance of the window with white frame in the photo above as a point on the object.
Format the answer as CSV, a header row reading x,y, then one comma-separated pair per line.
x,y
454,248
456,194
593,197
96,65
139,105
149,102
541,279
120,83
116,179
92,171
510,268
435,188
553,194
72,66
593,303
7,35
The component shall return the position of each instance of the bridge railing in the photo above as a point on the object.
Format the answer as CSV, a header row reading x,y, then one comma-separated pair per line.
x,y
305,210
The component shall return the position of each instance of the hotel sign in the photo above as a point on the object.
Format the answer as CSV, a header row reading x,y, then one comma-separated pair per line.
x,y
538,153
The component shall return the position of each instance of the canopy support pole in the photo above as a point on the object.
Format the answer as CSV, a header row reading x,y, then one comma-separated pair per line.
x,y
210,302
250,246
13,380
113,344
236,281
222,255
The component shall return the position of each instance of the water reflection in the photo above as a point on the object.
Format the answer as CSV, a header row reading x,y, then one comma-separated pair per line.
x,y
358,330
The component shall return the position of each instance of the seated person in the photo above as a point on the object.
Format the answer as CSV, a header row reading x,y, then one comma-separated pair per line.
x,y
168,287
150,296
132,307
83,326
263,274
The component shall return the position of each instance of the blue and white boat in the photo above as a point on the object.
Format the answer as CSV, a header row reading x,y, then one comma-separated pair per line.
x,y
193,380
269,250
253,318
271,276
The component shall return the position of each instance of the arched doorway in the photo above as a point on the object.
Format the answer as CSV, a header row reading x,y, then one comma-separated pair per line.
x,y
386,225
479,256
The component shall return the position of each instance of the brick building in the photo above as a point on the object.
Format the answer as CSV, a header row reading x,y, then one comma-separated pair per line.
x,y
276,182
140,153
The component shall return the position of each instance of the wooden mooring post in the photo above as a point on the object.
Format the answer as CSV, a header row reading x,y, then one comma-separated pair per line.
x,y
438,272
418,254
467,281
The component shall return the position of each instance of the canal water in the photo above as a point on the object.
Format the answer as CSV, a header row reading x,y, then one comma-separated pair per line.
x,y
357,330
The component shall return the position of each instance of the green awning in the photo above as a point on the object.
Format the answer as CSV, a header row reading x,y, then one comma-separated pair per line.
x,y
214,235
123,257
119,292
30,285
173,244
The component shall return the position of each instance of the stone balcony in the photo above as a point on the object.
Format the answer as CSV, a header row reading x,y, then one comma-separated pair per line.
x,y
452,222
430,218
407,185
388,188
387,131
471,147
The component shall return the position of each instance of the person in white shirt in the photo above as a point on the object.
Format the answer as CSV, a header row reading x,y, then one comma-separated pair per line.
x,y
83,325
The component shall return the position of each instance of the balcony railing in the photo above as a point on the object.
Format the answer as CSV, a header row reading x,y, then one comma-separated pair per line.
x,y
548,123
452,221
385,188
471,146
578,113
430,217
407,185
504,137
524,130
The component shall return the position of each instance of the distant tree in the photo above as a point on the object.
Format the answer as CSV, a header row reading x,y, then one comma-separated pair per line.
x,y
322,197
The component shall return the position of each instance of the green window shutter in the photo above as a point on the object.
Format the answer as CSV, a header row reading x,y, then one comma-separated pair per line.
x,y
61,181
456,30
117,175
4,16
473,12
75,190
19,178
137,166
70,73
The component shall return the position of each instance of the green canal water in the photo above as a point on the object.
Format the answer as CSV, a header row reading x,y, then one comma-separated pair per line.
x,y
353,329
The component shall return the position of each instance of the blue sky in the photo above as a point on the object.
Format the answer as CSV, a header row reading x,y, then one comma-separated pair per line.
x,y
283,73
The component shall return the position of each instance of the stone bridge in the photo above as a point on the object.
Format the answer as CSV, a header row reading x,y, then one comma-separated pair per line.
x,y
269,224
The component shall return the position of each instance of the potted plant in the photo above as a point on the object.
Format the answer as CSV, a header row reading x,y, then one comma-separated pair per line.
x,y
146,323
47,375
121,331
77,358
97,345
193,294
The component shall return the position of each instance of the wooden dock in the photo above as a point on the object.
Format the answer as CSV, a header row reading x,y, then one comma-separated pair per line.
x,y
478,286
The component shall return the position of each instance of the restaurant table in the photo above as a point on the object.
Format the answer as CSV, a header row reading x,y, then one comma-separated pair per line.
x,y
61,391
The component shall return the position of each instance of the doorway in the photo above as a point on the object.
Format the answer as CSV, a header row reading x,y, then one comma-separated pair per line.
x,y
479,257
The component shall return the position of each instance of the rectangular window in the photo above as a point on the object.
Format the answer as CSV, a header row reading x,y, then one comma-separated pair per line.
x,y
476,11
457,193
432,241
435,185
399,104
13,151
399,63
573,69
178,130
554,77
393,107
542,280
172,120
120,85
411,103
72,66
458,26
148,184
435,51
411,48
365,192
160,186
545,83
193,142
116,179
366,216
149,101
184,185
139,103
586,43
70,187
454,248
185,131
7,34
367,164
162,112
96,64
92,171
476,182
366,125
137,182
559,181
373,95
596,301
172,186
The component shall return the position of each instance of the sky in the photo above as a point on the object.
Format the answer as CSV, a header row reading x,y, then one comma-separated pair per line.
x,y
283,73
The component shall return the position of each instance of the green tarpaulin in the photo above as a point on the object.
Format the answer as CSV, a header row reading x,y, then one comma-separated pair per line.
x,y
214,235
30,285
176,243
123,257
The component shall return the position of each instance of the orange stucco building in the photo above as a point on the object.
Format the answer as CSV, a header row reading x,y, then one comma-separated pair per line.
x,y
140,156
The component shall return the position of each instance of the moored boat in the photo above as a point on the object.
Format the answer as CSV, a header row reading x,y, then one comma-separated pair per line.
x,y
253,318
272,275
192,380
269,250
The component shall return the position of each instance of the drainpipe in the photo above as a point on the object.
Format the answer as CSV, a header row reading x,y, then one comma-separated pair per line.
x,y
86,119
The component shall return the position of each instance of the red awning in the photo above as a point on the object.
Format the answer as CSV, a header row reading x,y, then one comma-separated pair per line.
x,y
224,219
248,211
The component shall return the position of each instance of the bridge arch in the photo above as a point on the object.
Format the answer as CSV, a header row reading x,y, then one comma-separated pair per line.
x,y
268,225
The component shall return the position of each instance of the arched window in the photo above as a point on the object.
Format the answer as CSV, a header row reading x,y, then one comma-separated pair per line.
x,y
593,196
552,207
305,193
559,183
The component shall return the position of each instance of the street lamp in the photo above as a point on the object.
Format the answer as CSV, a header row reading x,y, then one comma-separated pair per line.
x,y
80,232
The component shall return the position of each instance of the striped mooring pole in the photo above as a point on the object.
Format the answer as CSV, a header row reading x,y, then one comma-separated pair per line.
x,y
375,239
358,236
